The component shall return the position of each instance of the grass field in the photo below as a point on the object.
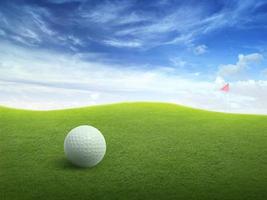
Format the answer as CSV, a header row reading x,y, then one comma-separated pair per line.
x,y
154,151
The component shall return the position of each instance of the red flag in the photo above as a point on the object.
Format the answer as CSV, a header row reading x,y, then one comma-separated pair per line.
x,y
225,88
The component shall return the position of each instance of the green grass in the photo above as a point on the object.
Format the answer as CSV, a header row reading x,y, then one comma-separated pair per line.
x,y
154,151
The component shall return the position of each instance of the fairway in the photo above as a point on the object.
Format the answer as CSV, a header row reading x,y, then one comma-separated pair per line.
x,y
154,151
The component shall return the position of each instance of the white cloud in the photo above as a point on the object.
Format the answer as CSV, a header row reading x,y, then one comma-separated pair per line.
x,y
219,81
243,62
49,80
123,43
178,62
200,49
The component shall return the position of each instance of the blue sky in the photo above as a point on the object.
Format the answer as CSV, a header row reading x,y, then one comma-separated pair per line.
x,y
65,53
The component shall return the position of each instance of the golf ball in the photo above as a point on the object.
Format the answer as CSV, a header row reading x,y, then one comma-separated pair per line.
x,y
85,146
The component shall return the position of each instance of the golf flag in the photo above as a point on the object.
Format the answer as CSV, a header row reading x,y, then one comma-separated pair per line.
x,y
225,88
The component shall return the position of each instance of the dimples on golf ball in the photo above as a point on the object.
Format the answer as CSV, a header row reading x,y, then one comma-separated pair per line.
x,y
85,146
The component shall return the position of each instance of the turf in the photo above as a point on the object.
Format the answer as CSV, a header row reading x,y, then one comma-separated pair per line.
x,y
154,151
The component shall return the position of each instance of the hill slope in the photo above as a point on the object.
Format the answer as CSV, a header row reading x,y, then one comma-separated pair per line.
x,y
154,151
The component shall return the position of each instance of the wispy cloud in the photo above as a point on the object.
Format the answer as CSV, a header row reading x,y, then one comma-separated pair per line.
x,y
157,29
34,26
123,43
235,14
122,20
30,26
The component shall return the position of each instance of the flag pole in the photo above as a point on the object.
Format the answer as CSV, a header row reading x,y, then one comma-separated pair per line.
x,y
228,103
226,89
228,99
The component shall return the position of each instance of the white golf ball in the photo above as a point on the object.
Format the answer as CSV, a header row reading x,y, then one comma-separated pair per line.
x,y
85,146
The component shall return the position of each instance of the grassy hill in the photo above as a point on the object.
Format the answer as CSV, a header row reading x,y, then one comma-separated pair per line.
x,y
154,151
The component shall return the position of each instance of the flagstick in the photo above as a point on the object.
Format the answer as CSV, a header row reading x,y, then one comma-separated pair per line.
x,y
225,89
226,101
228,104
